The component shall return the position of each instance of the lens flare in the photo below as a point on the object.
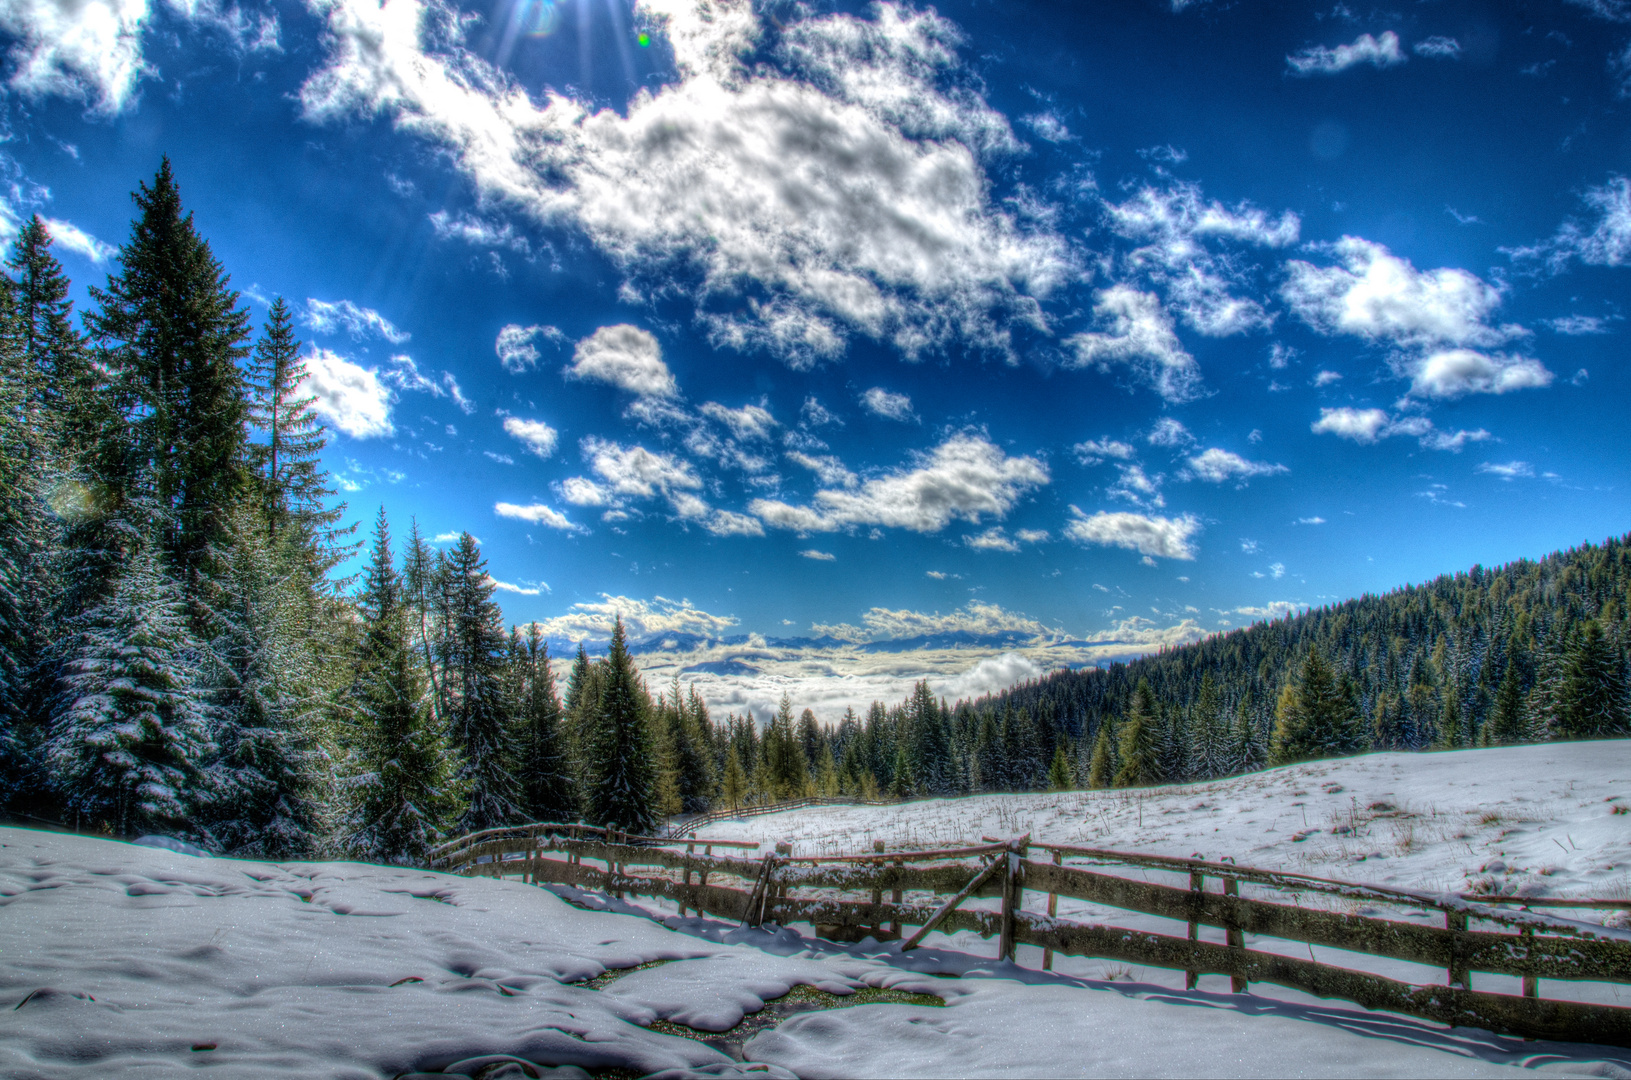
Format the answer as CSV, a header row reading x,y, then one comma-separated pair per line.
x,y
538,18
644,39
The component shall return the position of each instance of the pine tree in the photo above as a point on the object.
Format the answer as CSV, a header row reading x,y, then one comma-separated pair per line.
x,y
1059,776
1140,764
622,753
541,766
400,792
734,785
477,719
1593,702
265,786
1316,716
174,336
1101,772
786,774
131,732
61,382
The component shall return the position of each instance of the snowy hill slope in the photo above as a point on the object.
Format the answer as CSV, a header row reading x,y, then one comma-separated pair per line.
x,y
1542,820
130,961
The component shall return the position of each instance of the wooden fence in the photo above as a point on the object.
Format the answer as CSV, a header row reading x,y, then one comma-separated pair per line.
x,y
849,904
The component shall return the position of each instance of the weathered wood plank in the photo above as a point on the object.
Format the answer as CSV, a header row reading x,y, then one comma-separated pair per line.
x,y
1574,1021
1466,950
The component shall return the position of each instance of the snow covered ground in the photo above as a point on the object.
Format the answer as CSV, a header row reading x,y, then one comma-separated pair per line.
x,y
123,960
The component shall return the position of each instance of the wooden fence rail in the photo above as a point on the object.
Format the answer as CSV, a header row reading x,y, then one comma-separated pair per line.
x,y
850,905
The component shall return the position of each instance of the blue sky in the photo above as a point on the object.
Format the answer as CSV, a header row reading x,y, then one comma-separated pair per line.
x,y
1052,332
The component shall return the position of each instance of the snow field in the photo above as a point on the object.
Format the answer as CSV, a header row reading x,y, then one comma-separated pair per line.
x,y
117,959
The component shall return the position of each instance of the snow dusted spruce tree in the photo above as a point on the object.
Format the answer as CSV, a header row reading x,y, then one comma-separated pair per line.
x,y
541,766
1316,716
471,653
400,792
621,746
1140,741
129,744
1593,697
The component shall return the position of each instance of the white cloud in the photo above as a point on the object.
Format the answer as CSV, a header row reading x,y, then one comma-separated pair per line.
x,y
1607,242
819,556
505,586
1453,373
1137,630
625,356
348,397
1378,296
1438,48
1360,425
993,539
451,537
827,468
1381,51
1510,470
1093,452
1274,609
1047,125
405,375
1171,433
815,414
1578,325
1326,378
964,477
836,184
748,422
1151,536
991,675
1310,521
480,232
1137,486
1366,426
633,472
89,51
1175,225
938,575
1032,536
641,619
325,317
70,236
502,459
1139,334
1215,466
730,523
975,619
538,437
1277,570
515,347
538,514
880,402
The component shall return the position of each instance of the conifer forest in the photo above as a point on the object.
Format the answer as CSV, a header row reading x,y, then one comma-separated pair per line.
x,y
179,653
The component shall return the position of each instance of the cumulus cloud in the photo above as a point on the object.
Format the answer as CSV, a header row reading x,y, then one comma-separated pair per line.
x,y
325,317
993,539
1093,451
89,51
1170,433
480,232
828,469
594,620
1216,466
975,619
1151,536
1510,470
1366,426
1383,52
1603,242
537,514
1578,325
748,422
1326,378
965,477
890,406
1137,630
1274,609
1454,373
349,398
515,347
520,590
67,235
991,675
1378,296
538,437
835,188
814,414
818,556
1174,227
627,357
1137,486
1139,334
1438,48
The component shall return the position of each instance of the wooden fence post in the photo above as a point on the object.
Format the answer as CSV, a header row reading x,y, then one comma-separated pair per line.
x,y
1234,938
1457,920
1197,886
895,898
1531,985
1011,896
690,849
1053,910
877,892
